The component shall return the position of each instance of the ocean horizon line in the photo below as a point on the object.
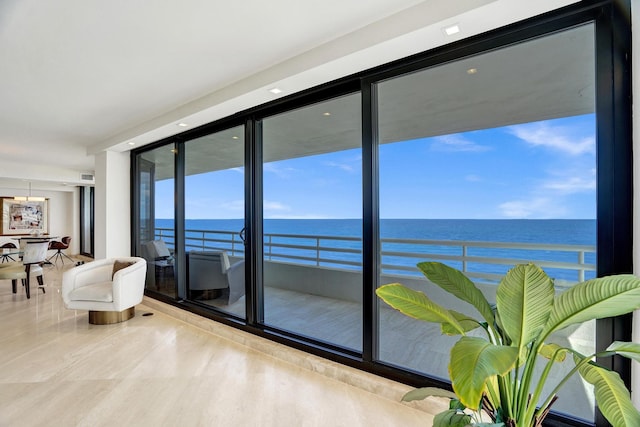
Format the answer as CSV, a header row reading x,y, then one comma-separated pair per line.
x,y
402,219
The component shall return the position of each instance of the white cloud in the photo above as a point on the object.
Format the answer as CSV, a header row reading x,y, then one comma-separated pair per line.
x,y
473,178
301,216
539,207
279,172
343,166
274,206
456,142
272,209
571,181
239,170
559,138
572,185
234,205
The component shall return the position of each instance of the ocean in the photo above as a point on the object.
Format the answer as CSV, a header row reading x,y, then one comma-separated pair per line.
x,y
548,232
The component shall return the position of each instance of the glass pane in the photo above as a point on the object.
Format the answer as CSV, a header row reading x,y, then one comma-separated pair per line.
x,y
313,221
485,163
157,227
214,219
86,220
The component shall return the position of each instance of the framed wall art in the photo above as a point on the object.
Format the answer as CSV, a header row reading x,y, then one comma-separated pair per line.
x,y
24,217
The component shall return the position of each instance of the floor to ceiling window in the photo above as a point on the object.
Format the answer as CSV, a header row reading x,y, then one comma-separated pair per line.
x,y
214,220
312,213
480,155
87,219
487,162
156,207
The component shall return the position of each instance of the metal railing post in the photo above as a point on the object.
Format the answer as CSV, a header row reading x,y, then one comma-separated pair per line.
x,y
233,244
464,258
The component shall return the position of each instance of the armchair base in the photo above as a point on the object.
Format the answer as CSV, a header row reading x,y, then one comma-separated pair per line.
x,y
110,317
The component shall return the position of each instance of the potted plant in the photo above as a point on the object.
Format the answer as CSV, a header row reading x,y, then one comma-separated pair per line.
x,y
494,373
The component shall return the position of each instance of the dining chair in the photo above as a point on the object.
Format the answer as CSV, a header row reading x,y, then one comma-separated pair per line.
x,y
33,256
60,246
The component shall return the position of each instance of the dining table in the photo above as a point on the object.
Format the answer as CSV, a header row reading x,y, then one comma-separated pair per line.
x,y
35,238
9,254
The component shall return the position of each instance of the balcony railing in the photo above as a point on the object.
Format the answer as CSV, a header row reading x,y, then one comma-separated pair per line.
x,y
484,262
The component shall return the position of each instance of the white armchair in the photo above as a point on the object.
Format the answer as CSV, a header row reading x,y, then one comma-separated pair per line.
x,y
108,288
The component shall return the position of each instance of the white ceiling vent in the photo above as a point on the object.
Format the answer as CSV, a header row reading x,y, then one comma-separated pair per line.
x,y
86,177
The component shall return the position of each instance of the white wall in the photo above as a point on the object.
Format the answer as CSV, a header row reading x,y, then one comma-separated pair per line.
x,y
63,212
112,205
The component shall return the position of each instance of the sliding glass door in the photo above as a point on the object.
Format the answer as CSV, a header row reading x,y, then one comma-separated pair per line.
x,y
156,206
214,220
312,209
487,162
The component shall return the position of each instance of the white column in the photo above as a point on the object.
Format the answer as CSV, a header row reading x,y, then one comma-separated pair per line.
x,y
112,205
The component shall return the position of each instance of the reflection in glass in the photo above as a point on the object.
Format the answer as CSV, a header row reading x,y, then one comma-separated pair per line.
x,y
214,218
313,221
482,170
157,227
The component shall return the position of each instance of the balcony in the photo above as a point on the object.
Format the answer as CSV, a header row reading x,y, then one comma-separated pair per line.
x,y
313,288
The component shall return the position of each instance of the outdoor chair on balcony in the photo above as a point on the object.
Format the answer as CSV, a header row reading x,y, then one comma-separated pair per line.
x,y
210,276
60,246
160,258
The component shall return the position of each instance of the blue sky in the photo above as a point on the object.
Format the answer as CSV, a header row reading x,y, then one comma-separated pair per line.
x,y
534,171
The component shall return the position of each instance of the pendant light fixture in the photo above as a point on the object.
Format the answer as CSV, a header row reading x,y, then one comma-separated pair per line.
x,y
29,198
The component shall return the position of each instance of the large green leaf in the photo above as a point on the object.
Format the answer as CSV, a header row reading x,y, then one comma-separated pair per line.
x,y
626,349
467,323
451,418
417,305
611,395
594,299
524,299
457,284
549,350
424,392
473,362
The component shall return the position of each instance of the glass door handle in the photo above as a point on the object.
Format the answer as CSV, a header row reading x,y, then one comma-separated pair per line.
x,y
242,235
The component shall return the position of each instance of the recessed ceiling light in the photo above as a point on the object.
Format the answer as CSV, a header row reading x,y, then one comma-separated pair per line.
x,y
174,151
182,125
451,30
131,143
275,90
234,137
472,70
326,114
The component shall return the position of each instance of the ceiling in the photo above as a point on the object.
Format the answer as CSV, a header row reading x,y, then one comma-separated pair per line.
x,y
544,78
82,76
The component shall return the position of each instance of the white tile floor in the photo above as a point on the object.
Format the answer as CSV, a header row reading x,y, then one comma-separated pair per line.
x,y
404,341
57,370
